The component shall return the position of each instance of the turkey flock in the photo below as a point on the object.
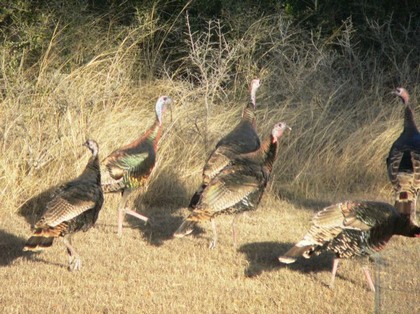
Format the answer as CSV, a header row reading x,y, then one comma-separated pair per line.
x,y
234,179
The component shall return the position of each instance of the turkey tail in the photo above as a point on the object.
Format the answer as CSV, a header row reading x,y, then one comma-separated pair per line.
x,y
113,187
296,251
185,228
41,239
44,237
38,243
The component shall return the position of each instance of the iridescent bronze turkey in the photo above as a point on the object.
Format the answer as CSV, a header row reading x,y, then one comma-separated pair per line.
x,y
130,166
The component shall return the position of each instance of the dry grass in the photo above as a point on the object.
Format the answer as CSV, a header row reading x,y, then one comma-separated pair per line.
x,y
341,134
147,272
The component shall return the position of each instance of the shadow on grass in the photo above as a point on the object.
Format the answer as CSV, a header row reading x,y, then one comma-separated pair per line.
x,y
10,248
310,204
263,257
161,202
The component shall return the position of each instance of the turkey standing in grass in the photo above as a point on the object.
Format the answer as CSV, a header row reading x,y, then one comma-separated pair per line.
x,y
403,162
242,139
75,207
351,229
130,166
238,187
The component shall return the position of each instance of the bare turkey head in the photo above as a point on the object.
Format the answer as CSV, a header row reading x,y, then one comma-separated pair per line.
x,y
93,146
255,84
162,104
278,130
403,94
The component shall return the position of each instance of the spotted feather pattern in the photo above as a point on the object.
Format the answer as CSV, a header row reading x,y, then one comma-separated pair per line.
x,y
352,228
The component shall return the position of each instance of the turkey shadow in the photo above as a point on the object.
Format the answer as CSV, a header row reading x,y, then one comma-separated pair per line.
x,y
10,248
161,203
313,205
310,204
263,257
34,208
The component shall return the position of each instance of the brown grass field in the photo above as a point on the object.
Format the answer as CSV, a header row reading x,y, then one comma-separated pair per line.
x,y
342,131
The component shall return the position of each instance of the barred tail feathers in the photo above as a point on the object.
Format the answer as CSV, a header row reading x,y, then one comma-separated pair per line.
x,y
189,223
43,238
38,243
296,251
303,248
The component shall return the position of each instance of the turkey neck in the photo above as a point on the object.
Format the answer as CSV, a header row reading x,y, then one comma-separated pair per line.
x,y
248,114
92,172
409,124
152,135
269,149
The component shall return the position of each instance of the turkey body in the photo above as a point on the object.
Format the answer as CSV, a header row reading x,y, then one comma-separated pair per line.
x,y
131,165
238,187
75,207
351,229
241,140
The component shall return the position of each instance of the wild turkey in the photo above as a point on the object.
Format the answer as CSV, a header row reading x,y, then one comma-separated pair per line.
x,y
351,229
75,207
242,139
130,166
238,187
403,162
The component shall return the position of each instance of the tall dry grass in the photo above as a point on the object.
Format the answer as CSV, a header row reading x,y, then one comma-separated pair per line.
x,y
92,85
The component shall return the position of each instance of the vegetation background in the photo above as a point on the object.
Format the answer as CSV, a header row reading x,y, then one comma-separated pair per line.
x,y
71,70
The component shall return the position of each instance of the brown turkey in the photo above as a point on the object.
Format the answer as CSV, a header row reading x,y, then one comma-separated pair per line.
x,y
351,229
403,162
130,166
242,139
237,187
75,207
